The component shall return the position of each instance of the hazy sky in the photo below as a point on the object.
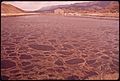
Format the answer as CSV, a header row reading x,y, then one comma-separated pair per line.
x,y
34,5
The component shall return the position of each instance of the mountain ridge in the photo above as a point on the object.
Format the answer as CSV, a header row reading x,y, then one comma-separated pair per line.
x,y
88,6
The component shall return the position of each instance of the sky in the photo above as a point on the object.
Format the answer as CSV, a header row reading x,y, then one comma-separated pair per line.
x,y
35,5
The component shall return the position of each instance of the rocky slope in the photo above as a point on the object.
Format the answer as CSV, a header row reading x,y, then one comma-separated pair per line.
x,y
8,8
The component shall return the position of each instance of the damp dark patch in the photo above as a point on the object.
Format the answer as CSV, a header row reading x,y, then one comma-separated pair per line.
x,y
31,41
81,48
99,54
90,73
51,75
110,41
65,52
115,57
46,52
105,57
31,38
115,62
12,54
50,69
25,63
24,56
28,67
41,73
63,48
52,41
74,61
58,62
5,64
3,77
9,48
115,52
114,67
14,71
18,38
16,42
106,52
76,45
96,64
10,51
67,46
74,41
59,69
17,75
84,55
42,47
23,48
95,50
8,44
13,58
20,52
72,77
35,60
90,62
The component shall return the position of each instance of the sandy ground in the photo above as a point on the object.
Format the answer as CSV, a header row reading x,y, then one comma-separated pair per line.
x,y
60,48
16,14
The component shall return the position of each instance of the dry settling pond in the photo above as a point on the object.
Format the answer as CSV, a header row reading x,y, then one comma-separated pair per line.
x,y
59,48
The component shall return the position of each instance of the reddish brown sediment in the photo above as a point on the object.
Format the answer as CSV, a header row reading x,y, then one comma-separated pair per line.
x,y
56,47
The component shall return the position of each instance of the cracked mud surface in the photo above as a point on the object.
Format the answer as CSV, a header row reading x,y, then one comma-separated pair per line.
x,y
56,47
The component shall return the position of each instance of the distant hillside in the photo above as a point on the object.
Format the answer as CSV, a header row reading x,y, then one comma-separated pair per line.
x,y
96,6
93,6
8,8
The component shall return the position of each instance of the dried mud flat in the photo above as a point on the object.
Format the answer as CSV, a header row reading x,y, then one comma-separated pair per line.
x,y
59,48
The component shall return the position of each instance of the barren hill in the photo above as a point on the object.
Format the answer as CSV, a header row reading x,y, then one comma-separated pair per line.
x,y
8,8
